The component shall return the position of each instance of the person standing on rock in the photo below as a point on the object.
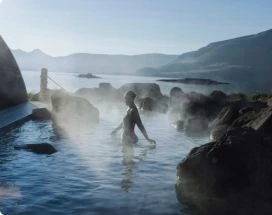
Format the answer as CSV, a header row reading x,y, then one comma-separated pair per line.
x,y
131,119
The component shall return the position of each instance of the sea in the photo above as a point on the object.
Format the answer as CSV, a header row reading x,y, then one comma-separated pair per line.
x,y
93,172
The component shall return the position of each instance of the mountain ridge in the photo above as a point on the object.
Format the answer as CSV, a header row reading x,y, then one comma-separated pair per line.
x,y
89,62
244,60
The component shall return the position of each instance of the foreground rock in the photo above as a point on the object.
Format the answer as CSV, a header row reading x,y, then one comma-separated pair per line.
x,y
70,110
41,114
237,166
253,115
41,148
196,126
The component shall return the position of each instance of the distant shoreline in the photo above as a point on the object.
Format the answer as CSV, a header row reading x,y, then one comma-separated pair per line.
x,y
196,81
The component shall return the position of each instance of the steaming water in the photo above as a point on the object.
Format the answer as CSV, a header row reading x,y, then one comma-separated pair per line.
x,y
92,173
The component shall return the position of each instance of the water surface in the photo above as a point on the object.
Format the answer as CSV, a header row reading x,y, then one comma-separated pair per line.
x,y
92,172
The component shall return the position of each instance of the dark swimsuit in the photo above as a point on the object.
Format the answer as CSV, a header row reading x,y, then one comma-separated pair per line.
x,y
129,122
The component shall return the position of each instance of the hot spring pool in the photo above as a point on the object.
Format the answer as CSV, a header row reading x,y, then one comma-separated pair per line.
x,y
92,172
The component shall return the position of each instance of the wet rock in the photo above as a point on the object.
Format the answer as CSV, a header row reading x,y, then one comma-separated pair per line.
x,y
239,115
41,114
41,148
73,110
218,132
196,126
104,93
142,90
12,86
218,96
176,92
179,125
198,104
147,104
177,97
237,166
227,115
262,121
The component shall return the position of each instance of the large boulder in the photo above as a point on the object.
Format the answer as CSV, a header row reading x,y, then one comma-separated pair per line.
x,y
176,96
12,86
253,115
142,90
236,167
149,104
198,104
74,111
196,126
104,93
218,96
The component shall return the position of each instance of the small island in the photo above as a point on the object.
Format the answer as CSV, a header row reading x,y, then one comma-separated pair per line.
x,y
197,81
87,75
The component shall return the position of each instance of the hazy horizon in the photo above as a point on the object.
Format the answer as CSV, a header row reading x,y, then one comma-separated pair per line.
x,y
61,28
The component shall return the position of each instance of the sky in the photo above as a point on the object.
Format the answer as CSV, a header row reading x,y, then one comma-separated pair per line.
x,y
62,27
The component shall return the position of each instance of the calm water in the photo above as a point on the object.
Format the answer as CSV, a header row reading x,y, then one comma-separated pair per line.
x,y
92,173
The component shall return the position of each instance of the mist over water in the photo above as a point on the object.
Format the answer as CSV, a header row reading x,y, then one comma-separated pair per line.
x,y
93,172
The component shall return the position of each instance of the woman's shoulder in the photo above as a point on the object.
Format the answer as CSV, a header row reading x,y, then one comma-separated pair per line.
x,y
134,111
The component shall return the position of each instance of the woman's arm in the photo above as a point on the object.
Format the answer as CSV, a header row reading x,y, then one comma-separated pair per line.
x,y
117,129
141,126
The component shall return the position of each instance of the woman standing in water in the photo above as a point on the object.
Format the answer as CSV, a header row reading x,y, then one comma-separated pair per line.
x,y
131,118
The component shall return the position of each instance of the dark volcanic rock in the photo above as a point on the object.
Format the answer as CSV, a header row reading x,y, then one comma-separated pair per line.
x,y
147,104
252,115
227,115
237,166
72,110
218,96
198,104
179,125
41,148
104,93
142,90
150,104
41,114
196,125
177,97
12,86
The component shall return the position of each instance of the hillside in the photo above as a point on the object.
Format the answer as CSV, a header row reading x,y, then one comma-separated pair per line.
x,y
244,60
89,63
